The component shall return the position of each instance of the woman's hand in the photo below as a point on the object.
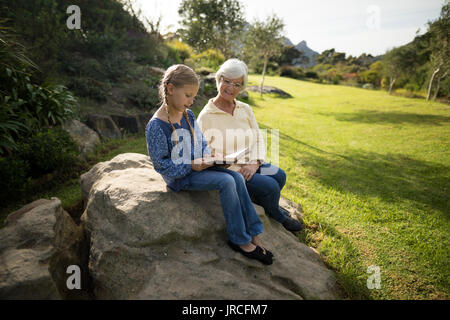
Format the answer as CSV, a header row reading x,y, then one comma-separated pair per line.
x,y
200,164
248,170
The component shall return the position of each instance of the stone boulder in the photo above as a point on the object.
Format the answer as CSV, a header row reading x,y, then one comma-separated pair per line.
x,y
37,245
104,126
272,90
368,86
148,242
86,138
126,123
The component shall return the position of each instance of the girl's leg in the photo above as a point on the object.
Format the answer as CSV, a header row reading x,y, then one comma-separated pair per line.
x,y
252,221
231,203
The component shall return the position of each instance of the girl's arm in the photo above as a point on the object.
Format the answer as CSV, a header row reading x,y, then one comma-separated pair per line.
x,y
158,150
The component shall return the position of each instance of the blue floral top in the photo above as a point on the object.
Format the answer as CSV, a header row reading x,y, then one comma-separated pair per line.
x,y
172,161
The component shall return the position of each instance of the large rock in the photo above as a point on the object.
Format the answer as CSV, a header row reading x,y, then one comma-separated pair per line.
x,y
86,138
133,123
104,126
127,123
270,89
37,245
151,243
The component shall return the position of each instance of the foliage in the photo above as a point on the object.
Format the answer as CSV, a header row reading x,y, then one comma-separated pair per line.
x,y
264,40
210,58
183,50
373,75
289,54
212,24
331,57
49,150
13,178
26,106
292,72
142,95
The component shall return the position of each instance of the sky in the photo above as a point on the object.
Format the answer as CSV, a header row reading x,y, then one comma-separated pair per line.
x,y
350,26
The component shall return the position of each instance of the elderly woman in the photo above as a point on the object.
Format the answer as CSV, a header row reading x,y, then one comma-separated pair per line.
x,y
225,122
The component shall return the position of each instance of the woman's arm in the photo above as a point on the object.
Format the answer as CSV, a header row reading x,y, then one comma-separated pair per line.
x,y
258,151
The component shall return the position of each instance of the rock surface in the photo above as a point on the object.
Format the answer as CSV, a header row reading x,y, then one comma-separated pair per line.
x,y
269,89
150,243
86,138
37,244
104,126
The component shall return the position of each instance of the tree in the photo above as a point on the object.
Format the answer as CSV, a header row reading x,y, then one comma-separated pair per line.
x,y
212,24
440,48
331,56
373,75
398,62
290,55
264,40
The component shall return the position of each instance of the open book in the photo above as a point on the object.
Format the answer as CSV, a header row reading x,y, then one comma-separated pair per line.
x,y
228,159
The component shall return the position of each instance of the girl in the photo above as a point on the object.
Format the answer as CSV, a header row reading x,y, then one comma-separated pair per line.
x,y
180,154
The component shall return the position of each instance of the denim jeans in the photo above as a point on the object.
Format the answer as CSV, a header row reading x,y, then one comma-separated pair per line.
x,y
265,190
241,219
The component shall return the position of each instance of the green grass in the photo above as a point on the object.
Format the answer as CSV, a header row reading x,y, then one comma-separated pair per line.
x,y
372,173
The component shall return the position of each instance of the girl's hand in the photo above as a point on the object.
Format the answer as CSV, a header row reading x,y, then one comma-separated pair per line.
x,y
200,164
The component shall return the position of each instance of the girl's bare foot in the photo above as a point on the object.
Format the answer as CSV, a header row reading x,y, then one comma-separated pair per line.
x,y
257,242
249,247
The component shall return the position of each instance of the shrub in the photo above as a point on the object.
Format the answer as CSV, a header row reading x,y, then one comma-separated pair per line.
x,y
49,150
210,58
183,50
292,72
13,179
411,87
26,106
311,75
204,71
142,96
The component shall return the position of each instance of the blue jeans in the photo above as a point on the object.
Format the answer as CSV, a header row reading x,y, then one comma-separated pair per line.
x,y
265,190
241,219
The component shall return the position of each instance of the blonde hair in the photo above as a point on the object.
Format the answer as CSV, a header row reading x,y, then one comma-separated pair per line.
x,y
233,68
178,75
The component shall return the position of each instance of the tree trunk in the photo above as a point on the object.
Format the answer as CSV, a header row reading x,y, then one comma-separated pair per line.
x,y
431,82
438,85
263,75
391,84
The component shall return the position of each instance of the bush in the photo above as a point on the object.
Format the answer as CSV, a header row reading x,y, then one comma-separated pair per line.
x,y
142,96
210,58
26,107
411,87
204,71
311,75
49,150
13,179
292,72
183,50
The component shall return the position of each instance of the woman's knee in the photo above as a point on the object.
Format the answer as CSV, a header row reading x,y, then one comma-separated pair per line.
x,y
276,174
281,177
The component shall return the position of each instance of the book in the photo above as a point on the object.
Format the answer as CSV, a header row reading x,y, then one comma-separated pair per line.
x,y
229,158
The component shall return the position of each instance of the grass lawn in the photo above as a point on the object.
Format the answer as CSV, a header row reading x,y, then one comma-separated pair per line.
x,y
372,173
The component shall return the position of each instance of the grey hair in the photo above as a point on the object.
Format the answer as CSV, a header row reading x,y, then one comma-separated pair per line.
x,y
232,69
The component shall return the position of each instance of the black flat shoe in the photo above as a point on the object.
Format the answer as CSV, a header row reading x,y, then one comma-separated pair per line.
x,y
257,254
